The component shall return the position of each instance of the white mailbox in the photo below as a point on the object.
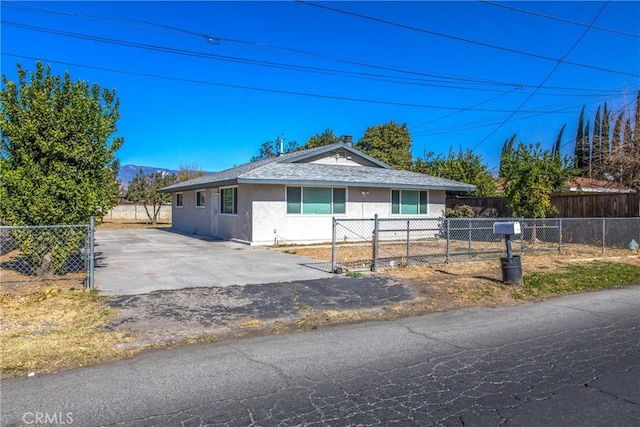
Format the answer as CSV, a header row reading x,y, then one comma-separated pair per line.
x,y
506,228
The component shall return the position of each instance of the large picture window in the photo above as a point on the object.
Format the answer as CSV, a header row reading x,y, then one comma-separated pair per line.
x,y
409,202
229,200
200,199
316,200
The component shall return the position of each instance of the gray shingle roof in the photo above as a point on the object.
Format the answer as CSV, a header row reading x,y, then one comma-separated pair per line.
x,y
284,170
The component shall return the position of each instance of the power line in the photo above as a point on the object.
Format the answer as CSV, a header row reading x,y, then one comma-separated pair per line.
x,y
261,89
553,70
556,18
270,64
463,39
462,110
219,39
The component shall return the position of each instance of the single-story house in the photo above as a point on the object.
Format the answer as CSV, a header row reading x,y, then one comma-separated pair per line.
x,y
293,197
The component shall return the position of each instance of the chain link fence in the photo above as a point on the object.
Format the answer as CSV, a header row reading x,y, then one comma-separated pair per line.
x,y
30,254
369,244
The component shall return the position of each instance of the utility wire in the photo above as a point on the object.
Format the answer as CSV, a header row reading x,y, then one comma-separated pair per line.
x,y
270,64
462,110
220,40
261,89
532,94
556,18
463,39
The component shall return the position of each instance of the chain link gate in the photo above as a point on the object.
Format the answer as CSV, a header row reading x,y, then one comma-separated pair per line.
x,y
43,253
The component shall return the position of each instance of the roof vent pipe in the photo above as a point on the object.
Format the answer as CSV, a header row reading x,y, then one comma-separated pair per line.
x,y
348,140
280,146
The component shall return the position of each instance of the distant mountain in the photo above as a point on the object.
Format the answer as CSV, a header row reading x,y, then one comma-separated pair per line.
x,y
127,172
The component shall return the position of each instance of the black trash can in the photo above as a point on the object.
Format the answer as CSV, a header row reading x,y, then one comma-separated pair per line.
x,y
511,270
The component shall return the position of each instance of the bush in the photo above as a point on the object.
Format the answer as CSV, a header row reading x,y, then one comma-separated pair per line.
x,y
460,211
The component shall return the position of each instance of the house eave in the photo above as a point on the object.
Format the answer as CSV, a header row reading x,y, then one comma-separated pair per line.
x,y
329,183
177,188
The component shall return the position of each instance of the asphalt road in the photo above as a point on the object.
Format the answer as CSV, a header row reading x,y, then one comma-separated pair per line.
x,y
572,361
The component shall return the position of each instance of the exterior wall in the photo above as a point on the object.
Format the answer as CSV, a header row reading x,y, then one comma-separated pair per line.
x,y
437,203
189,218
262,217
237,227
271,223
136,212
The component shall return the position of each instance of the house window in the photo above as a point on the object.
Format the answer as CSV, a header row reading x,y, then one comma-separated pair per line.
x,y
409,202
316,200
200,199
229,201
179,200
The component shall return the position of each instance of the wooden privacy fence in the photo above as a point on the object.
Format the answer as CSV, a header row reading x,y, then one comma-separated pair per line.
x,y
569,205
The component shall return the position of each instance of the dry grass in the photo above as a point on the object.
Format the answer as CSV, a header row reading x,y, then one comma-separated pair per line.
x,y
451,286
48,330
347,253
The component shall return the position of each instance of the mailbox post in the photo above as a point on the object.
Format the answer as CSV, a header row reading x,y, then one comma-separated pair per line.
x,y
511,265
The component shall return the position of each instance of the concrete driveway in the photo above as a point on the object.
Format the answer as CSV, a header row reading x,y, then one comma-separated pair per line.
x,y
137,261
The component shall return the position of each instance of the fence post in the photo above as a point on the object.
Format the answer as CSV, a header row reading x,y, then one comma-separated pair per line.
x,y
408,237
603,234
469,239
90,283
374,267
333,245
560,236
448,225
522,235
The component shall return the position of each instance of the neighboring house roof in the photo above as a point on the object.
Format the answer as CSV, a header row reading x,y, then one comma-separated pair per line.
x,y
583,185
287,169
589,185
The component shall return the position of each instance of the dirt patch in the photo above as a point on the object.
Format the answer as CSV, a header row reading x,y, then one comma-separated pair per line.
x,y
123,224
201,313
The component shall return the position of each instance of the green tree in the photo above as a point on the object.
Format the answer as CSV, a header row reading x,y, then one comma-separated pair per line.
x,y
530,176
270,149
558,143
320,139
507,147
144,189
581,153
463,166
389,143
57,158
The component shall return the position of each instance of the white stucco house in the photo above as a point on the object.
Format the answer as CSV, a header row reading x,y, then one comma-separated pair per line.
x,y
293,197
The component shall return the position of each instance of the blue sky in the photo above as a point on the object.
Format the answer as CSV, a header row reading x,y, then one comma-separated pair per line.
x,y
205,83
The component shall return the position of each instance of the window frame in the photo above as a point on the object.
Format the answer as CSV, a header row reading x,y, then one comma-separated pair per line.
x,y
234,203
179,200
300,202
204,198
422,195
